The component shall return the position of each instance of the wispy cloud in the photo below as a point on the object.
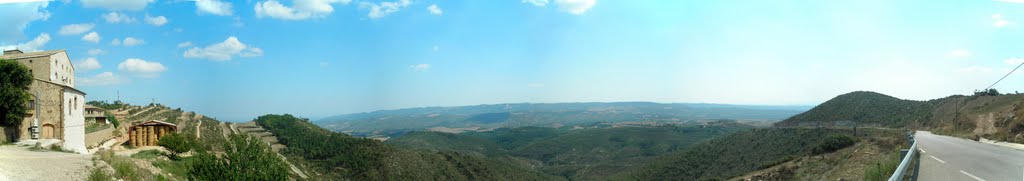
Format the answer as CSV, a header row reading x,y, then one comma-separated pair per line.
x,y
379,10
434,9
577,7
420,67
92,37
999,21
88,64
156,20
115,17
224,51
30,46
75,29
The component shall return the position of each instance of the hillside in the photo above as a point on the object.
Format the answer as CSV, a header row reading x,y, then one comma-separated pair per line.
x,y
999,117
863,108
336,156
482,117
587,154
733,155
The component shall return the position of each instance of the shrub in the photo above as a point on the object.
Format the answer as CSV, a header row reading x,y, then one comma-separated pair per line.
x,y
177,143
833,143
245,158
98,174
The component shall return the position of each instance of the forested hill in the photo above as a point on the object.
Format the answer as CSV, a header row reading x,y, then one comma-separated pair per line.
x,y
547,114
336,156
863,108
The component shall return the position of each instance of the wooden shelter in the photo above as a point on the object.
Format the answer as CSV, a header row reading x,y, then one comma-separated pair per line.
x,y
149,132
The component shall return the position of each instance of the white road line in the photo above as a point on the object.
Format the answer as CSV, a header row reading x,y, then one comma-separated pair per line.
x,y
937,159
972,176
922,151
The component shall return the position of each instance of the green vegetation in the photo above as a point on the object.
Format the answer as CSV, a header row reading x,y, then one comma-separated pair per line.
x,y
336,156
864,107
586,154
147,154
112,119
107,106
14,81
98,174
732,155
833,143
883,168
245,158
124,168
177,143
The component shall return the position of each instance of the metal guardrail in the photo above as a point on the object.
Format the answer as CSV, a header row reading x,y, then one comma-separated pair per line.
x,y
901,170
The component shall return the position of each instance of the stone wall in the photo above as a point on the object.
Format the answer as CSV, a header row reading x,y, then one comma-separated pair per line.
x,y
96,138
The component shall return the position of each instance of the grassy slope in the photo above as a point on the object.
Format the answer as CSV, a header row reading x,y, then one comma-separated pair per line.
x,y
864,107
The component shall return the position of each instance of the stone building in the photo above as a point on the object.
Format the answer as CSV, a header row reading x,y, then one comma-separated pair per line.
x,y
56,109
149,132
96,114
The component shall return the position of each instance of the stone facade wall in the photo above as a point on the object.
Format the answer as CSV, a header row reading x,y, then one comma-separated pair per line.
x,y
96,138
51,109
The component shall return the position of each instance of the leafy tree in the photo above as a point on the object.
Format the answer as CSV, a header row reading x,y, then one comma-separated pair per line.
x,y
177,143
245,158
833,143
14,81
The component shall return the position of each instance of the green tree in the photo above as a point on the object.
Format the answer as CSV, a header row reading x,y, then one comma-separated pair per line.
x,y
14,82
245,158
177,143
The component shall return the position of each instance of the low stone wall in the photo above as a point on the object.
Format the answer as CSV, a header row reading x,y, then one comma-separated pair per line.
x,y
96,138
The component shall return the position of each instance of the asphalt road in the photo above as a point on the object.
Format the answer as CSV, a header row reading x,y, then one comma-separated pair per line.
x,y
951,158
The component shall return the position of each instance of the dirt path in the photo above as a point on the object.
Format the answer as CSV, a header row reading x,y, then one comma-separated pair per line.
x,y
199,129
19,163
224,129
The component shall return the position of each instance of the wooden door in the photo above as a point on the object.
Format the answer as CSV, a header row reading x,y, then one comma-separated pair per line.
x,y
47,132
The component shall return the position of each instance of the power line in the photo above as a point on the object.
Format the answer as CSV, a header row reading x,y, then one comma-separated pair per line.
x,y
1007,75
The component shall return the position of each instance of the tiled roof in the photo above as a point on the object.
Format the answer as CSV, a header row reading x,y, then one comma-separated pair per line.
x,y
30,54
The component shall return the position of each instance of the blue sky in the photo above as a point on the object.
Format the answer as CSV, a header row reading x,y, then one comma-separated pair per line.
x,y
235,60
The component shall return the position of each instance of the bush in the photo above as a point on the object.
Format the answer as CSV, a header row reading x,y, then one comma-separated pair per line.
x,y
98,174
833,143
177,143
245,158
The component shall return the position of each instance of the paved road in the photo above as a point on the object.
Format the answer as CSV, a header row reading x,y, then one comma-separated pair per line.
x,y
18,163
951,158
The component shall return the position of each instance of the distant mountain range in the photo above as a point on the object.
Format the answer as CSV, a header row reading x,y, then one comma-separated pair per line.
x,y
481,117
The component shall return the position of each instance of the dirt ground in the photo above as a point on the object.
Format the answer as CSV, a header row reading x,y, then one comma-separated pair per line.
x,y
20,163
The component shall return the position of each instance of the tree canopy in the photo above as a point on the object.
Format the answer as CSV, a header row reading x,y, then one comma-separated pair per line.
x,y
14,82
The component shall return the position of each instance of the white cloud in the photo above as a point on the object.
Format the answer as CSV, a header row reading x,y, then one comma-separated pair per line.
x,y
92,37
536,2
224,51
577,7
156,20
115,42
960,53
215,7
88,64
1014,61
141,68
999,21
130,5
16,18
105,78
420,67
131,41
973,69
115,17
95,51
379,10
434,9
184,44
30,46
301,9
75,29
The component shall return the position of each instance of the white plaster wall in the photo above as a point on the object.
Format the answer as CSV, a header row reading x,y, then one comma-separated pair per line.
x,y
61,70
74,121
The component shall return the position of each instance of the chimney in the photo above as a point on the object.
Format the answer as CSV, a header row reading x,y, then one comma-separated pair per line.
x,y
12,52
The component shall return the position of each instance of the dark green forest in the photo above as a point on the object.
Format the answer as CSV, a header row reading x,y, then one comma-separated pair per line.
x,y
864,107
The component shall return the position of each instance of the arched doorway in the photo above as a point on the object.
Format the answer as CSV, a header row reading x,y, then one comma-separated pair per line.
x,y
47,132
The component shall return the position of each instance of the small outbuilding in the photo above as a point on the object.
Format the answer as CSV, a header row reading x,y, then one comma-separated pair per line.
x,y
93,113
149,132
